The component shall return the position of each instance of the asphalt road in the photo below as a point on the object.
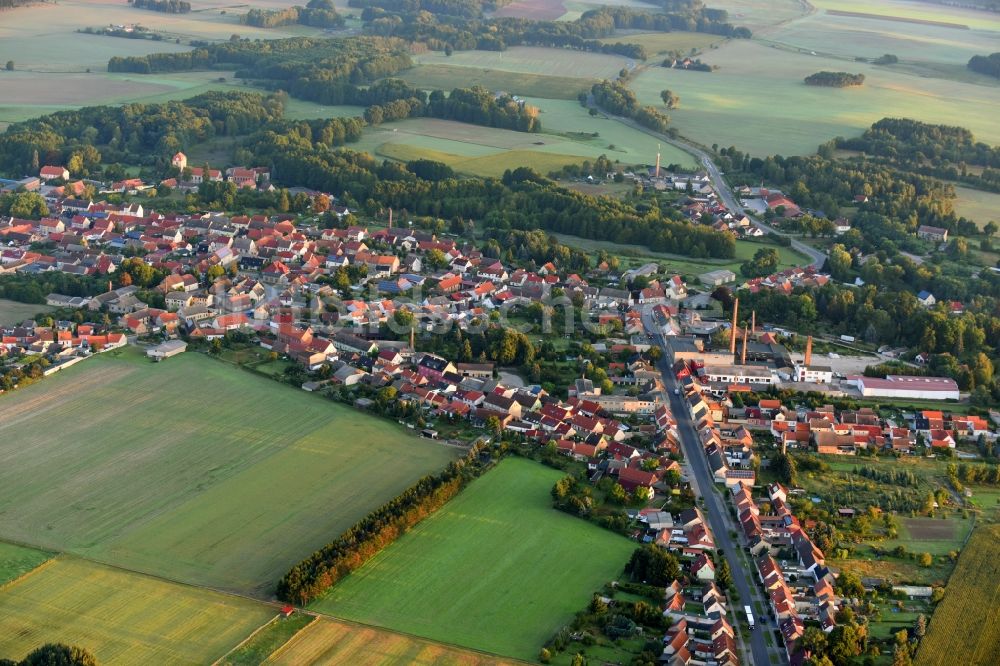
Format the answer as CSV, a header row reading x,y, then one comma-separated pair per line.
x,y
716,510
729,199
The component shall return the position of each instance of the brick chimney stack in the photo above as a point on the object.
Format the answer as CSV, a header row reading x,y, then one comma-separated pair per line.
x,y
732,329
753,323
743,357
809,352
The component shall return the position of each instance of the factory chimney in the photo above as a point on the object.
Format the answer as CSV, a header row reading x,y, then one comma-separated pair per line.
x,y
809,352
753,323
743,357
390,218
732,329
656,173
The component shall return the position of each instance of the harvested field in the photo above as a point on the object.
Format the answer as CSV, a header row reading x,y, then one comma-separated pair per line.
x,y
123,618
930,529
227,479
327,641
487,571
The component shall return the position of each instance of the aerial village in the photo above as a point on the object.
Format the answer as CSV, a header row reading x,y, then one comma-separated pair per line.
x,y
271,278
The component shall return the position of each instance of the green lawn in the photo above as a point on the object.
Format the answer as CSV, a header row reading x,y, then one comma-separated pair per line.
x,y
193,469
497,569
15,561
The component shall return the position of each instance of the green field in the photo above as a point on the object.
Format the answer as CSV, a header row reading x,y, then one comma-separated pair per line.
x,y
447,77
193,469
15,561
13,312
567,138
965,627
532,60
758,102
637,255
327,641
497,569
123,618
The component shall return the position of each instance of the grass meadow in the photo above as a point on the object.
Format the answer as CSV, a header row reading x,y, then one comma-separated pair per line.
x,y
965,627
15,561
328,641
979,206
123,618
13,312
658,43
193,469
497,569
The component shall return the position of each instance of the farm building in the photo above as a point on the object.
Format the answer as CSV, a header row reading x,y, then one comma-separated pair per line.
x,y
166,350
900,386
717,278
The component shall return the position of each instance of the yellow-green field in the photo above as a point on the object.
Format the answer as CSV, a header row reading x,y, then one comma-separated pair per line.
x,y
123,618
193,469
327,641
657,43
980,207
965,627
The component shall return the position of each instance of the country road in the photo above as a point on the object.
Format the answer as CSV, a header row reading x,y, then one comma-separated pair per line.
x,y
729,199
717,511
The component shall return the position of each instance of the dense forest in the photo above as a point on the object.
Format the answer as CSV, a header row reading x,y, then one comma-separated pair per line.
x,y
165,6
133,133
497,34
933,150
317,13
835,79
988,64
466,8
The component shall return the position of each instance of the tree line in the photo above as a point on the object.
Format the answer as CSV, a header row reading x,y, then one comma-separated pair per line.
x,y
986,64
316,13
940,151
441,32
616,97
310,578
145,134
165,6
835,79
